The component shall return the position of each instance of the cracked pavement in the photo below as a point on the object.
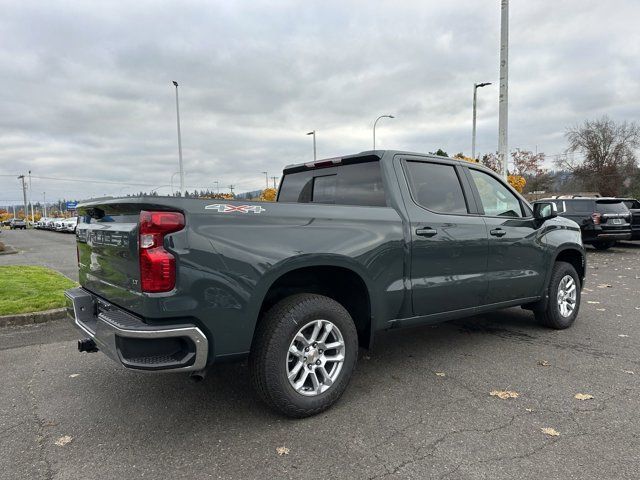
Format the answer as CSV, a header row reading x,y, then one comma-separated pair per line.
x,y
397,419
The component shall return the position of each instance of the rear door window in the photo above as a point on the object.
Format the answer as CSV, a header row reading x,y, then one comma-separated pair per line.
x,y
436,187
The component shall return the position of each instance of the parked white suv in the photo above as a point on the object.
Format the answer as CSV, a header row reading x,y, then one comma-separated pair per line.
x,y
70,224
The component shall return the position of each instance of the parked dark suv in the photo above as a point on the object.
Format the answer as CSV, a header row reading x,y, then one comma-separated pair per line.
x,y
17,224
634,207
603,221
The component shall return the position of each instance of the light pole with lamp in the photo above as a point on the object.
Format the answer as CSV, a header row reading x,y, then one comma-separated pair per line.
x,y
313,132
266,177
374,127
476,86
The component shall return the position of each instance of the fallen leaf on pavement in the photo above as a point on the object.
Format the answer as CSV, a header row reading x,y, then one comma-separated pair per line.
x,y
503,394
441,374
592,301
552,432
544,363
529,409
74,375
62,441
604,285
623,335
630,372
601,309
583,396
282,451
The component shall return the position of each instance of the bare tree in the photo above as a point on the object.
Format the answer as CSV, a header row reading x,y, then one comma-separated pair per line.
x,y
527,163
608,149
530,166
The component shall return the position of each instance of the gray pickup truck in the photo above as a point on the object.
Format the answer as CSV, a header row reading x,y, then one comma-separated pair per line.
x,y
353,245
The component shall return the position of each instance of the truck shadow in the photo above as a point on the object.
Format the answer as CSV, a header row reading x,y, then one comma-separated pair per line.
x,y
225,400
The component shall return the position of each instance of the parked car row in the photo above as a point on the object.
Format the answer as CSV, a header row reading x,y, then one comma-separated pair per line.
x,y
603,220
57,224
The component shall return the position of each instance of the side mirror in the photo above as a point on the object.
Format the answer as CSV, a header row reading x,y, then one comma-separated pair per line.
x,y
544,210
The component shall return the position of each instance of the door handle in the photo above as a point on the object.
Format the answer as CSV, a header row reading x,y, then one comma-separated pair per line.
x,y
426,232
498,232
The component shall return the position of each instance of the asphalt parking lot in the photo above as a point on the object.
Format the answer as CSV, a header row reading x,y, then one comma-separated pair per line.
x,y
419,405
42,247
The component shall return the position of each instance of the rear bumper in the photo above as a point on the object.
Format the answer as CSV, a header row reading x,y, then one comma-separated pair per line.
x,y
134,344
613,236
591,236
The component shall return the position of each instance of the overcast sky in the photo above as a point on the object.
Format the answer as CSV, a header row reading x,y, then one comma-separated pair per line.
x,y
86,86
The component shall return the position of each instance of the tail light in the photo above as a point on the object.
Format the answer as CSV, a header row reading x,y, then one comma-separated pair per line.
x,y
596,217
157,266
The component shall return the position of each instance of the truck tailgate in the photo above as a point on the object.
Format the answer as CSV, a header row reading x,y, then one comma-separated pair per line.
x,y
108,257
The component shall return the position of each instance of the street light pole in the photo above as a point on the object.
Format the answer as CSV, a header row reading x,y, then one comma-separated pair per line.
x,y
266,177
24,197
44,203
31,202
503,105
182,191
476,86
374,127
313,132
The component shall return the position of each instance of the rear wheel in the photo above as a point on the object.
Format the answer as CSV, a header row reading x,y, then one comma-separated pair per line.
x,y
563,302
303,355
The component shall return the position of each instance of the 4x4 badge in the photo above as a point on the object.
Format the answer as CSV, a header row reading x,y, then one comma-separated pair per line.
x,y
227,208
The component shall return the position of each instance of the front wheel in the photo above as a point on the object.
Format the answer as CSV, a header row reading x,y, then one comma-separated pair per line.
x,y
563,302
303,354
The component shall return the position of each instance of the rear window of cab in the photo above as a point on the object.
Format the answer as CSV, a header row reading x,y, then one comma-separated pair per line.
x,y
352,184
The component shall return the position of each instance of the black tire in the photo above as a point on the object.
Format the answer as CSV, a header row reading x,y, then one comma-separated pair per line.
x,y
550,315
603,245
274,334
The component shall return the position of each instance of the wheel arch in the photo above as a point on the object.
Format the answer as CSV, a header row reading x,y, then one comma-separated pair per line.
x,y
573,255
336,277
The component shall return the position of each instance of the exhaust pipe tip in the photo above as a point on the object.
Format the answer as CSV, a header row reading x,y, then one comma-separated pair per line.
x,y
198,376
87,345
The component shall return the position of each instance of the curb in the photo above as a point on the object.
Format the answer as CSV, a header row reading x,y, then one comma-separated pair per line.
x,y
8,250
32,317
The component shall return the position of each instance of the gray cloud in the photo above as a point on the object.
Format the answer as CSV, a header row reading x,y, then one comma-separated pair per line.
x,y
86,89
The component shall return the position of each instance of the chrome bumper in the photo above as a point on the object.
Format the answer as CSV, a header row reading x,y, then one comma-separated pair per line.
x,y
133,343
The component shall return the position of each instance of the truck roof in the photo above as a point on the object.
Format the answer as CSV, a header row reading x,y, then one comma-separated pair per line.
x,y
366,156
